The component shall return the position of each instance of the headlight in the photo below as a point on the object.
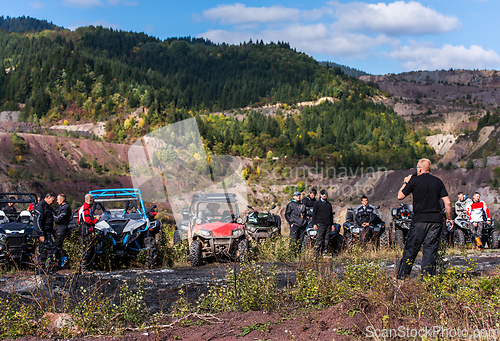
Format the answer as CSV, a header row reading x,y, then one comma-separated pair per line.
x,y
10,231
239,220
3,237
198,221
205,233
237,233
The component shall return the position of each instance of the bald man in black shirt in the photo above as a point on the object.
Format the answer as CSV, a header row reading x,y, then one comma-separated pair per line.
x,y
427,219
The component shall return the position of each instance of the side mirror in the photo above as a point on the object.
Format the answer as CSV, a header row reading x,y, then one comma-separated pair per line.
x,y
249,206
273,207
401,204
377,207
333,213
154,206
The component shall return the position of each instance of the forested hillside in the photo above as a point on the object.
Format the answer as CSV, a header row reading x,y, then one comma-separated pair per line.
x,y
26,24
97,74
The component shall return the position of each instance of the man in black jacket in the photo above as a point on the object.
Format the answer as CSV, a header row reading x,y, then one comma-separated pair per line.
x,y
62,218
309,201
41,229
295,216
366,217
322,221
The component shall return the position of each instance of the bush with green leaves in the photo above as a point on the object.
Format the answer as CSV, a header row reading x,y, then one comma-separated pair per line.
x,y
249,287
17,318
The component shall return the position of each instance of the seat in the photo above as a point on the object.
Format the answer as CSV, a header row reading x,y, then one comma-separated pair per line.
x,y
3,218
226,216
24,217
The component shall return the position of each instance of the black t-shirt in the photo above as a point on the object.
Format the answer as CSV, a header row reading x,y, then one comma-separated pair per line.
x,y
427,190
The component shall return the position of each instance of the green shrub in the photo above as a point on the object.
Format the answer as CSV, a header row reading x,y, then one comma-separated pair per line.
x,y
251,287
16,318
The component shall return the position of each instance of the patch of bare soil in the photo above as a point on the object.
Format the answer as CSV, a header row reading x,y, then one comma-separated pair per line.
x,y
353,319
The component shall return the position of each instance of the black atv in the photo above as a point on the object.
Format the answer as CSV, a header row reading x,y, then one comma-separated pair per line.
x,y
401,223
261,226
462,233
16,229
352,231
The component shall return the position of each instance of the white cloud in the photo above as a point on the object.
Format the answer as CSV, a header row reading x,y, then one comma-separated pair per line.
x,y
426,56
82,3
241,14
397,18
312,39
37,5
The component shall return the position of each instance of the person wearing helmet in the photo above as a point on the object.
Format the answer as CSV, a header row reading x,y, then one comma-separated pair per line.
x,y
295,216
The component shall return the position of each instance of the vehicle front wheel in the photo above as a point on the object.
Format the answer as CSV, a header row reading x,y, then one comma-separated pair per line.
x,y
150,245
307,243
493,240
458,238
399,238
177,237
385,239
243,250
195,253
348,239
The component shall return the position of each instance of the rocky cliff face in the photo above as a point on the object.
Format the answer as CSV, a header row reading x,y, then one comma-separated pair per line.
x,y
449,103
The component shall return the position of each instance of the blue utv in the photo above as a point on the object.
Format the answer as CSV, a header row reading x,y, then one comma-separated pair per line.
x,y
126,223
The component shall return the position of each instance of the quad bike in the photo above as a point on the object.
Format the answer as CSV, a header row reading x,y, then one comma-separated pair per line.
x,y
352,231
462,234
401,223
127,230
215,234
16,230
262,226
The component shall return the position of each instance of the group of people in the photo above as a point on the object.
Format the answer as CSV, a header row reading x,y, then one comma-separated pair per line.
x,y
319,214
430,199
474,211
51,227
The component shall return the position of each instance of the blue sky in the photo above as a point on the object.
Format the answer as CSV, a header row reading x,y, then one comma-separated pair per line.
x,y
377,37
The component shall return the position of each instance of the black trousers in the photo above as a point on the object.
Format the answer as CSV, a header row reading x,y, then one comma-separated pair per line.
x,y
428,234
322,239
296,237
45,252
60,236
88,250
